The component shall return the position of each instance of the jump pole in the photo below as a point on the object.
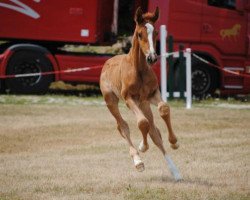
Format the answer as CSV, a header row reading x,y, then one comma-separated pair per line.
x,y
188,79
163,35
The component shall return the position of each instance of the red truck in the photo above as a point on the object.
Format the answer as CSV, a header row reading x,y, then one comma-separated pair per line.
x,y
217,31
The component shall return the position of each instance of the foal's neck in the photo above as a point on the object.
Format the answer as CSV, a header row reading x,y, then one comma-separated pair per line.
x,y
136,55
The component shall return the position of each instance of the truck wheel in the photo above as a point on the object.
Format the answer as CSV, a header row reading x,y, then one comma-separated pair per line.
x,y
204,80
1,86
24,62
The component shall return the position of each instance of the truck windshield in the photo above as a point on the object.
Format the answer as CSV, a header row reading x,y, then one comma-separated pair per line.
x,y
229,4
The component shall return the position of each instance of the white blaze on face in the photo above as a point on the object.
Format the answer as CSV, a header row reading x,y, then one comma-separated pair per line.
x,y
150,31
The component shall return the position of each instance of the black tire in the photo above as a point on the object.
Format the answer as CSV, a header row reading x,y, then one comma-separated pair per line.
x,y
204,80
27,61
1,86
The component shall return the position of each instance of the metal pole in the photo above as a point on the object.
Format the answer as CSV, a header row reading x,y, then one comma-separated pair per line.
x,y
114,26
163,36
188,79
170,60
182,70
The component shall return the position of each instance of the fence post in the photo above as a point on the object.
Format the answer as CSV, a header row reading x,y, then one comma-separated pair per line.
x,y
182,69
171,67
188,79
163,36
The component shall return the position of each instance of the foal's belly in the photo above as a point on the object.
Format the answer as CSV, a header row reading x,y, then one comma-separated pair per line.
x,y
144,92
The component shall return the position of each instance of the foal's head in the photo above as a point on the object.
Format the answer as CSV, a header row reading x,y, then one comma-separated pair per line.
x,y
146,34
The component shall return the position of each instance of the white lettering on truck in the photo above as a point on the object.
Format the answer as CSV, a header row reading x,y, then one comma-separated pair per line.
x,y
21,8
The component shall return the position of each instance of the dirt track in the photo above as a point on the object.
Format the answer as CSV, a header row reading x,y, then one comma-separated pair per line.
x,y
64,151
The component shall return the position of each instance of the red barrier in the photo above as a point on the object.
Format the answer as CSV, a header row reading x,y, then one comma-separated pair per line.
x,y
216,66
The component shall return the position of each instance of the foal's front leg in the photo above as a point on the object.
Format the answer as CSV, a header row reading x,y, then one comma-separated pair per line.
x,y
142,122
122,126
164,111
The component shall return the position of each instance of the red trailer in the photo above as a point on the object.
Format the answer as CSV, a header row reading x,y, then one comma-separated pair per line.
x,y
37,29
217,31
62,21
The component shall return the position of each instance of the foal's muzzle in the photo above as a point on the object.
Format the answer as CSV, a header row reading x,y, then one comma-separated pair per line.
x,y
151,58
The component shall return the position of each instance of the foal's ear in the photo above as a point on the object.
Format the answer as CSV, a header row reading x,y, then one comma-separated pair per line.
x,y
156,14
138,16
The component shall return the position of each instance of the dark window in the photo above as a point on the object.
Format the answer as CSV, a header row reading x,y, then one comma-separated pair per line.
x,y
229,4
127,10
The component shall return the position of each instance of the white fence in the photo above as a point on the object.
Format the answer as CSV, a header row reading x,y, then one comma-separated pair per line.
x,y
164,56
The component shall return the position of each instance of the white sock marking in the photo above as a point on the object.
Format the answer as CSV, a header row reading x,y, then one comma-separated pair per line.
x,y
137,160
173,169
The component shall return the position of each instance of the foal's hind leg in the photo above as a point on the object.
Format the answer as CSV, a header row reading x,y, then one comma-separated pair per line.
x,y
153,131
164,111
156,137
122,126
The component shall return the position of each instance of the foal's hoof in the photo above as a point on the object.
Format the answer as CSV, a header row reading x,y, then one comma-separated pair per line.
x,y
143,148
140,167
175,146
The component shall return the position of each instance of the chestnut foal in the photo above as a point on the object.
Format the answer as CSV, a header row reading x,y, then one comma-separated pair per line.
x,y
130,78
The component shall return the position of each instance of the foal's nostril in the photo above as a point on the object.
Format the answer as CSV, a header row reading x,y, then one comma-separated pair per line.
x,y
149,59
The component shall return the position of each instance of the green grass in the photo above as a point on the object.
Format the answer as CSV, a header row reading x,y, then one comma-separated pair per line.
x,y
48,99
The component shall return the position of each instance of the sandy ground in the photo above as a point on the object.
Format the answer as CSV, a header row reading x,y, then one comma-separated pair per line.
x,y
73,151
